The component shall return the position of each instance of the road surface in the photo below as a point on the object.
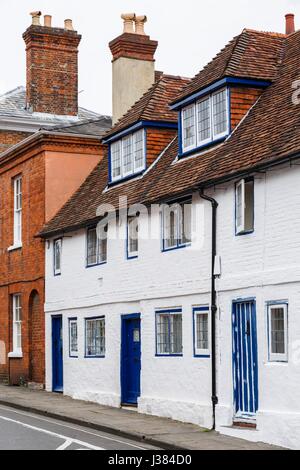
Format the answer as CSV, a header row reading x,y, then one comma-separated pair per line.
x,y
20,430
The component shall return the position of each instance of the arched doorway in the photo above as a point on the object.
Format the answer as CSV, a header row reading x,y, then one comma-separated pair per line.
x,y
36,339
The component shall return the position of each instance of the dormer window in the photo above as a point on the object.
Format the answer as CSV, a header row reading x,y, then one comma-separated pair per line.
x,y
205,121
127,156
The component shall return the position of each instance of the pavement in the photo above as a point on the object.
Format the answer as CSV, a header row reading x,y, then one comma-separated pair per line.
x,y
151,430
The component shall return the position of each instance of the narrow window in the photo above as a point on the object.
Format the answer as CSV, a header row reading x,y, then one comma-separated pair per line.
x,y
95,337
138,150
57,256
96,245
177,220
18,211
17,323
220,113
169,332
73,337
188,127
132,236
201,331
127,155
115,160
244,212
204,121
278,332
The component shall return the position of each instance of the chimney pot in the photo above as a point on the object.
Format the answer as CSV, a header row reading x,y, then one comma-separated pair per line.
x,y
47,21
69,25
128,18
140,23
36,17
289,23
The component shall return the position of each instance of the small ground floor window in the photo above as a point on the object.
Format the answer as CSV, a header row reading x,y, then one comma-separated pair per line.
x,y
95,337
169,332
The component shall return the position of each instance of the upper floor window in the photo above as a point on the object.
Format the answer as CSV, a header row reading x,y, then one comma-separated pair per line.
x,y
96,245
205,121
278,332
132,236
57,256
177,220
18,211
127,156
244,206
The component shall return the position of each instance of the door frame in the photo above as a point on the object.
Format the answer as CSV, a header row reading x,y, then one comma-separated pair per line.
x,y
248,417
124,318
53,317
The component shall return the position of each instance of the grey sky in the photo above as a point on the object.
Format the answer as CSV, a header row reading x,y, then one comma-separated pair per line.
x,y
190,33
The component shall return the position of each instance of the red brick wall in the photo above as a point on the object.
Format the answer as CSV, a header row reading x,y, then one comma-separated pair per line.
x,y
9,138
241,101
22,270
52,70
157,140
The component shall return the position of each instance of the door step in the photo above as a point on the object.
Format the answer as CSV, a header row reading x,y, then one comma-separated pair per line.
x,y
244,425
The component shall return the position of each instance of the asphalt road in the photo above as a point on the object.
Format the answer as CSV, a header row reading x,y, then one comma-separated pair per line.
x,y
26,431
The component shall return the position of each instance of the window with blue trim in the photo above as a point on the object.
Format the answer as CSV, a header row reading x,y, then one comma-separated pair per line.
x,y
132,236
127,156
95,337
176,224
73,337
278,332
244,206
201,331
169,332
205,121
96,245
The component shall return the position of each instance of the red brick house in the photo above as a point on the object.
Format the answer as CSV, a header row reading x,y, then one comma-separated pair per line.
x,y
47,147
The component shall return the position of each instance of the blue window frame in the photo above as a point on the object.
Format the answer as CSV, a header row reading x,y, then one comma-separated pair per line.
x,y
96,245
57,251
169,332
73,337
127,156
244,206
95,337
205,121
132,238
176,222
201,329
278,331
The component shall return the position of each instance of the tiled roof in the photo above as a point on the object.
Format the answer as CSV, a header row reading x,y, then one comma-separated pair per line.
x,y
252,54
269,133
12,105
96,127
154,104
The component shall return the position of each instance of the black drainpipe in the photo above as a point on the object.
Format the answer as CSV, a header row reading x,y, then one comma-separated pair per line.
x,y
213,302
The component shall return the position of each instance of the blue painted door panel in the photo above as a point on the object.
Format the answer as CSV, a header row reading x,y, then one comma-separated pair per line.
x,y
131,360
245,373
57,355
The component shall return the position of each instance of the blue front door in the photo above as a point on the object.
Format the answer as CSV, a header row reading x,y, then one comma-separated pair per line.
x,y
57,354
131,359
245,373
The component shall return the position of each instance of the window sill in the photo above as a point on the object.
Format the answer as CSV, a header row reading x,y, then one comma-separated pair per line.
x,y
96,264
94,357
15,247
190,151
15,355
178,247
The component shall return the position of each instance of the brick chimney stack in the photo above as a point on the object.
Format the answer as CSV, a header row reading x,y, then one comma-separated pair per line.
x,y
289,23
51,67
133,62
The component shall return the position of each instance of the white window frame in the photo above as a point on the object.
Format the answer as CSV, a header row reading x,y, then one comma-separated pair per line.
x,y
57,270
241,228
73,352
278,357
17,211
17,324
99,259
179,224
213,136
198,311
135,221
134,169
90,320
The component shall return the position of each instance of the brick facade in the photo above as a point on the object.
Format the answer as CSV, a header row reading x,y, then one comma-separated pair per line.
x,y
241,100
9,138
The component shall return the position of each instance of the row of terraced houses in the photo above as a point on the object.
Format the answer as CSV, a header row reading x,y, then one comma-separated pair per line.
x,y
151,259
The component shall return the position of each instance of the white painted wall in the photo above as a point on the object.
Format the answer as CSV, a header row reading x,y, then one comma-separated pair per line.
x,y
264,265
